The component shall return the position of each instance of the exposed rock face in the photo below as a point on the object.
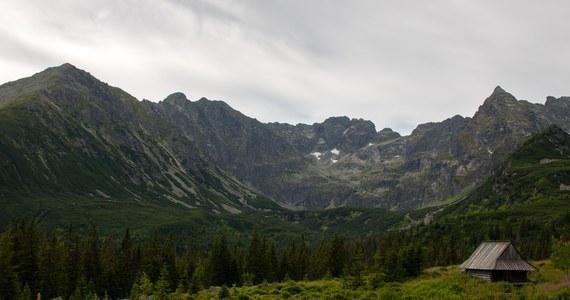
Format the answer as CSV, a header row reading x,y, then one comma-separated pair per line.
x,y
176,148
532,176
473,147
240,145
344,162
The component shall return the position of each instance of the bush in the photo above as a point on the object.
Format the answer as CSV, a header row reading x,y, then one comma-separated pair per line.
x,y
352,282
376,280
224,292
293,290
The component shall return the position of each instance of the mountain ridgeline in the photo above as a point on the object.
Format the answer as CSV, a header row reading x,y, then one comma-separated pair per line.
x,y
344,162
67,135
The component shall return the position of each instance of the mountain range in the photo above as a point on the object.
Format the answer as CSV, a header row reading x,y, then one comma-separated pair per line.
x,y
69,140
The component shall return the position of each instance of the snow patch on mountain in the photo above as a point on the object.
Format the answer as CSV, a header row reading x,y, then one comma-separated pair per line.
x,y
317,154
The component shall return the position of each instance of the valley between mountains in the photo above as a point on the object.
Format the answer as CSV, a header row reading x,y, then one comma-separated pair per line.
x,y
75,150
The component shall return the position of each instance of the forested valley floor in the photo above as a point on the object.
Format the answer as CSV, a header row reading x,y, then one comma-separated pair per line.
x,y
394,265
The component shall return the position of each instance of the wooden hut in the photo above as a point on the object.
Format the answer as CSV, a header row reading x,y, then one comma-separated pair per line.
x,y
497,261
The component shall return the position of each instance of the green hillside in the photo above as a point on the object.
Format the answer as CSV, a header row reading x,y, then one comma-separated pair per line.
x,y
531,184
525,201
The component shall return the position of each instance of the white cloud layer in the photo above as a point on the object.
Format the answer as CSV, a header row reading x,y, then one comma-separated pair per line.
x,y
397,63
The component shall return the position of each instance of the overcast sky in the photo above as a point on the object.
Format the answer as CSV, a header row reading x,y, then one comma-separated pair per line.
x,y
397,63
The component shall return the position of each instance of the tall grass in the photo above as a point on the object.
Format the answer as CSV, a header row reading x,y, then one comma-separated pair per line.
x,y
435,283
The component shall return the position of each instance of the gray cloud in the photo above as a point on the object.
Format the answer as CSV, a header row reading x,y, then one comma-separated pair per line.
x,y
397,63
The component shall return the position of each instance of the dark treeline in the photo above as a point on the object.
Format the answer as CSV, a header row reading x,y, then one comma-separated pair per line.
x,y
75,267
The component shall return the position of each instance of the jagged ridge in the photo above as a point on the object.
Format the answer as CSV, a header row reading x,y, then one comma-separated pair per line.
x,y
340,162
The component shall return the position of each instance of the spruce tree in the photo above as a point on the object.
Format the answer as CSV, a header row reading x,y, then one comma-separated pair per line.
x,y
109,266
336,256
152,259
561,255
25,243
91,256
162,286
128,263
219,262
9,285
255,261
198,281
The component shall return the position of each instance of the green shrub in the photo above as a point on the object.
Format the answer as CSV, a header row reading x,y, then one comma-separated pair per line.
x,y
293,290
224,292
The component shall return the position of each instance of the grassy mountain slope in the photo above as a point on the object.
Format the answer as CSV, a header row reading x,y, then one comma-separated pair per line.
x,y
74,148
532,182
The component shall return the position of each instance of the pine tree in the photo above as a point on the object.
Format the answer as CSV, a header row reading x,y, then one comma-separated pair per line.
x,y
169,259
198,281
356,266
152,258
25,243
9,285
561,255
109,266
448,251
303,260
283,265
73,251
91,256
142,287
162,286
53,268
188,265
255,261
411,260
319,261
219,263
129,264
24,294
336,256
272,263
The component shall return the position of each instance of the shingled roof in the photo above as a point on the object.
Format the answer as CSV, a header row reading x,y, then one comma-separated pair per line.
x,y
497,256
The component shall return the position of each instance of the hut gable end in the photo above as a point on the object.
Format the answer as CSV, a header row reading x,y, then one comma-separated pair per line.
x,y
497,261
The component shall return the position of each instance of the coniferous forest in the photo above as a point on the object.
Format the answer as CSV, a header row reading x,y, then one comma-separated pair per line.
x,y
65,264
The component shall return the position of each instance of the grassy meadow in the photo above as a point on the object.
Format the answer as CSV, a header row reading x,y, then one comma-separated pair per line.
x,y
434,283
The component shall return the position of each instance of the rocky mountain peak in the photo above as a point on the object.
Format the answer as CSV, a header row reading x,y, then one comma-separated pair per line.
x,y
497,104
177,97
337,121
66,73
553,101
499,95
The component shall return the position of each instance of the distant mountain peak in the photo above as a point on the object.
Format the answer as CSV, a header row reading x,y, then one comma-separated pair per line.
x,y
176,97
498,89
65,68
499,102
500,95
66,74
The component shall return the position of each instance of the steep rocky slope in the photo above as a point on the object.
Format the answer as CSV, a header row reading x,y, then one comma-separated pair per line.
x,y
206,154
536,174
344,162
441,159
